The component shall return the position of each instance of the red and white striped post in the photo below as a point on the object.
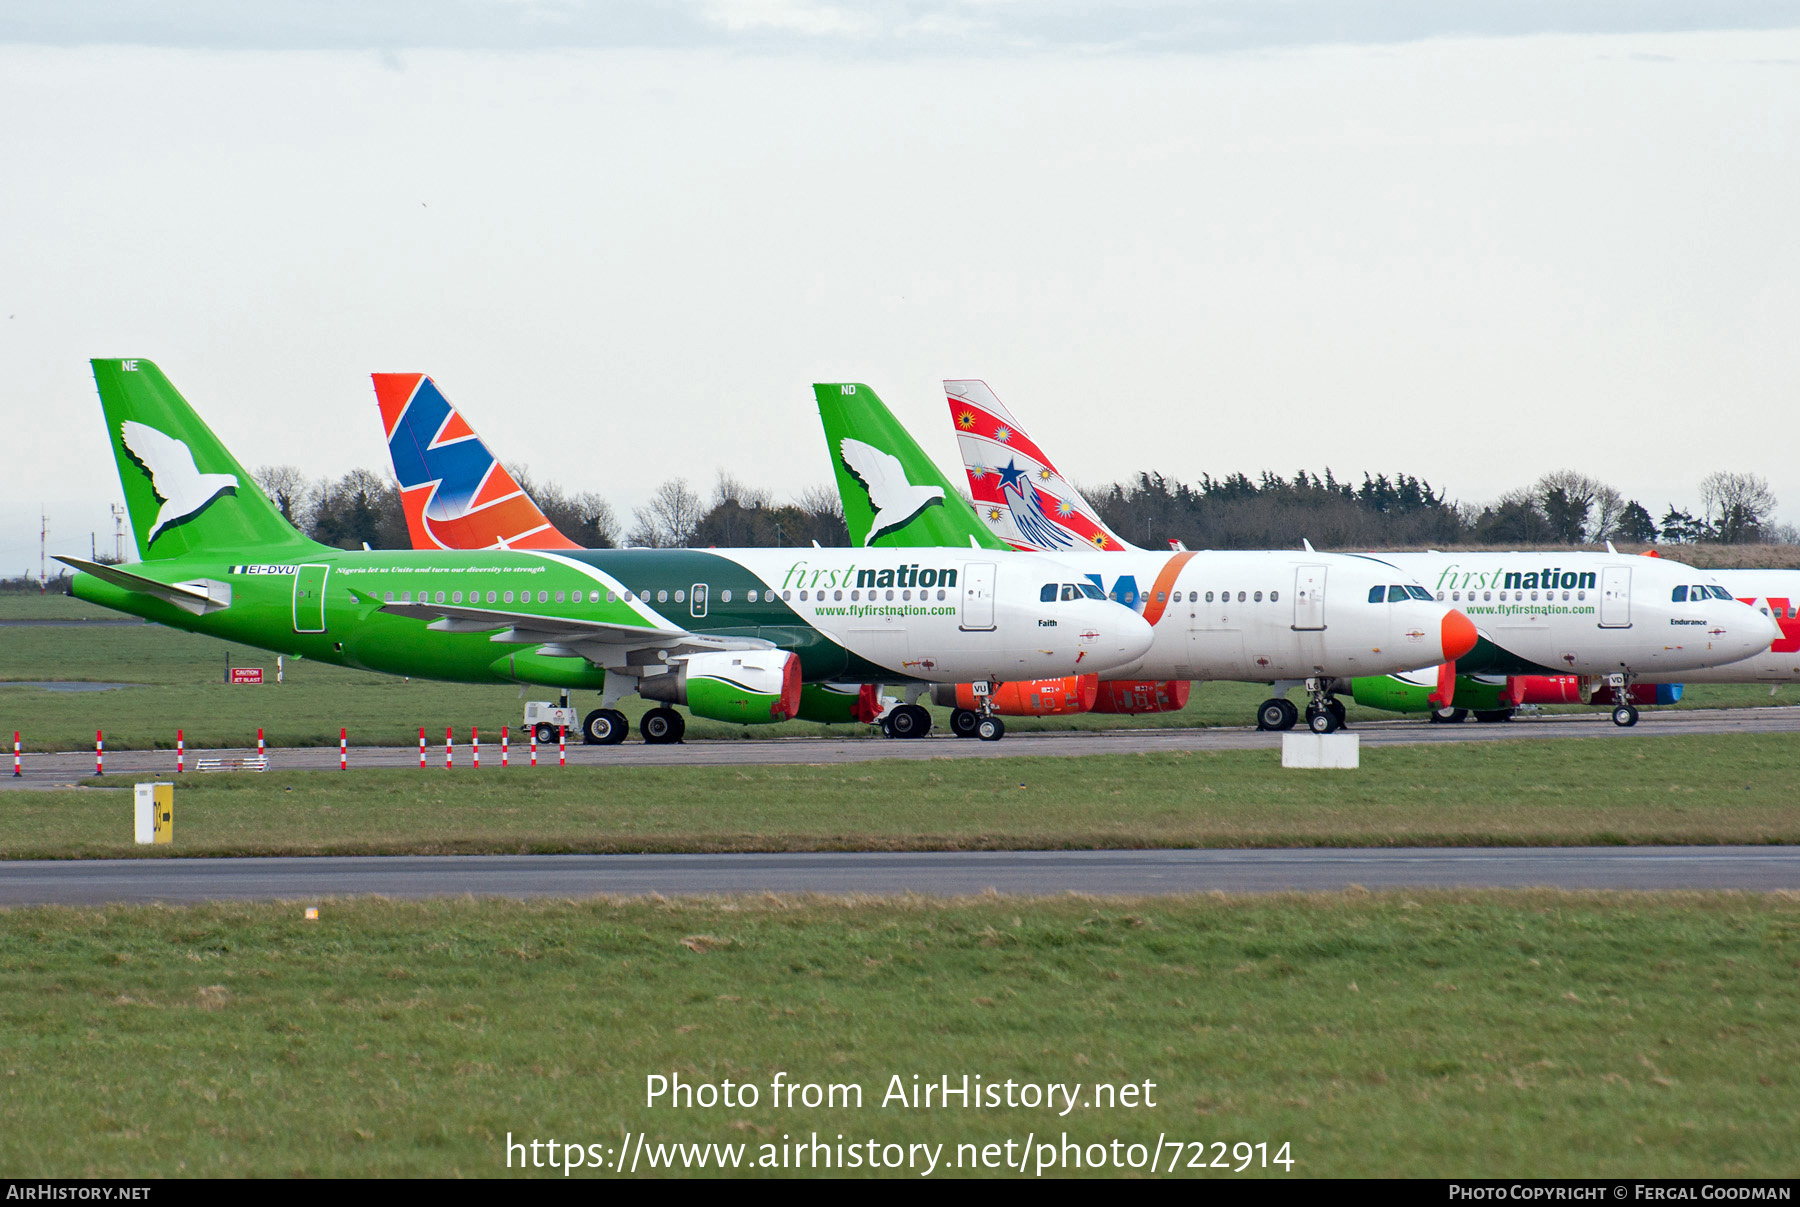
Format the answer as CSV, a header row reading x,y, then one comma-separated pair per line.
x,y
449,745
261,751
421,748
17,768
180,754
562,745
475,744
99,753
503,729
343,749
533,745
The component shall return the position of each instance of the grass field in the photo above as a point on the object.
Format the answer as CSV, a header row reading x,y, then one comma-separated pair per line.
x,y
1691,789
1537,1035
179,680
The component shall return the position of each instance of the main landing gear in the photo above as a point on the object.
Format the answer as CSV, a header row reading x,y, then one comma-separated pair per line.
x,y
1276,713
906,721
662,727
602,727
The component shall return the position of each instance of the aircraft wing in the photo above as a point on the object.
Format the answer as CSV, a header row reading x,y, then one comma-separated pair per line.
x,y
602,643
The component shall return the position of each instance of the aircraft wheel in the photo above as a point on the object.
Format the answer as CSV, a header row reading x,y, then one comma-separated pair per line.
x,y
1335,707
1449,716
1492,716
963,722
604,727
662,727
1275,714
546,733
990,729
909,721
1323,721
1625,716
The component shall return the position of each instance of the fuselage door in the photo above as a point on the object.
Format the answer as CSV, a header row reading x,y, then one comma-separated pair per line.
x,y
309,599
1309,597
1615,597
698,597
978,595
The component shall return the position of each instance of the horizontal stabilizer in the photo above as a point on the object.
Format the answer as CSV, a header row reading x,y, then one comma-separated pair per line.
x,y
198,597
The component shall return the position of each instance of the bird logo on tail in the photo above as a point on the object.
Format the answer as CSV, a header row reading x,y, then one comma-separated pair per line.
x,y
897,502
177,481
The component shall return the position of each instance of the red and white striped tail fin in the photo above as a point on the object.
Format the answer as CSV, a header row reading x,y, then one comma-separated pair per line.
x,y
1017,489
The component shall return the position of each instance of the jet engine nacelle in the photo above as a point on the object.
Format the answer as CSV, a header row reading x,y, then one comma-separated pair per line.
x,y
1026,697
1133,696
1412,693
840,703
1573,689
745,687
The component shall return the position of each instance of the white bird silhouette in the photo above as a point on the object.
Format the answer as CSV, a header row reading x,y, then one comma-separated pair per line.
x,y
895,499
173,475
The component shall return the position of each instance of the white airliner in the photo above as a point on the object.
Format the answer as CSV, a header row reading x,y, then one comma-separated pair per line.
x,y
1254,616
1608,615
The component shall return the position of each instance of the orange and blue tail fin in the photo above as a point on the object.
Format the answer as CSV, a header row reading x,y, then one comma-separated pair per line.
x,y
456,494
1017,489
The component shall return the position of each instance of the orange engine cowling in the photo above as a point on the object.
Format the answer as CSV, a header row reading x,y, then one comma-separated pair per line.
x,y
1573,689
1027,697
1546,689
1143,695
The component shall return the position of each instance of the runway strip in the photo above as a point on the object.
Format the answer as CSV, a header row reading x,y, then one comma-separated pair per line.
x,y
1031,873
64,770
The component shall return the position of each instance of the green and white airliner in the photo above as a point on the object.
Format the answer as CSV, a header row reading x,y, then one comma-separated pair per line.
x,y
736,635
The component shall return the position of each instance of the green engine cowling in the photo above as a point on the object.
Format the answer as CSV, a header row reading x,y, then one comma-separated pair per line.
x,y
748,687
840,703
1412,693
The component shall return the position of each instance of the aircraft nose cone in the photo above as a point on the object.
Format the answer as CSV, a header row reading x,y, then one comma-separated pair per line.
x,y
1126,636
1769,631
1457,633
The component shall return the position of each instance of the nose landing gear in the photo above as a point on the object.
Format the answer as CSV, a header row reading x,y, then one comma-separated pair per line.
x,y
1624,713
1324,712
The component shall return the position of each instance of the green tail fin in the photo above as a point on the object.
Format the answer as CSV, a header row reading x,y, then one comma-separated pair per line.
x,y
894,496
185,492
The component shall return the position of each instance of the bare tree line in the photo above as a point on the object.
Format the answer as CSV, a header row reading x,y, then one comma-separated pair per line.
x,y
1564,507
363,507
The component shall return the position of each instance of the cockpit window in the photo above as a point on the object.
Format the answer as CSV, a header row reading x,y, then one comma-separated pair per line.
x,y
1091,591
1721,593
1419,593
1071,591
1396,593
1048,594
1377,594
1678,595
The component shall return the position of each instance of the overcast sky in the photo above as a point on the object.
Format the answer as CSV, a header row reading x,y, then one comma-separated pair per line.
x,y
1469,242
